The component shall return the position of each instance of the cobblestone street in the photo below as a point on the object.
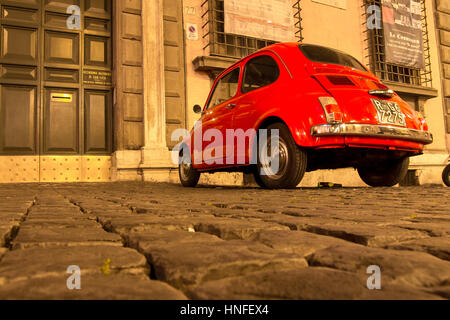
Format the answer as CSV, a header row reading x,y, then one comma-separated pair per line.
x,y
162,241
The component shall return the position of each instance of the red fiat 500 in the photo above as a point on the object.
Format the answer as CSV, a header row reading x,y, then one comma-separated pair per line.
x,y
327,110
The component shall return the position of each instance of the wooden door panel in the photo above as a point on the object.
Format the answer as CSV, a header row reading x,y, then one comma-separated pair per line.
x,y
61,123
17,119
56,20
15,72
61,75
98,7
60,5
19,45
23,3
97,51
62,47
14,15
97,122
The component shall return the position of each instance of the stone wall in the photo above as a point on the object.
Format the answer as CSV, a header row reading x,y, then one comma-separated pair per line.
x,y
143,119
443,29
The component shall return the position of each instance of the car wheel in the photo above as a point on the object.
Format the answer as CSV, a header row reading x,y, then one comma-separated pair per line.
x,y
258,180
387,174
446,176
291,165
189,176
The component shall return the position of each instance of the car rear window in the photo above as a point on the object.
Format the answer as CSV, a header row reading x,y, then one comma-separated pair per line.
x,y
326,55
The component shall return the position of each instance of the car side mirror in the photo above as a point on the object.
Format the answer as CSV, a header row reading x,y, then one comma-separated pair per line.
x,y
197,109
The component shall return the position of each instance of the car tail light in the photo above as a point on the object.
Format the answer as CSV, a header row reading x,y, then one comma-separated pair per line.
x,y
424,125
332,110
422,121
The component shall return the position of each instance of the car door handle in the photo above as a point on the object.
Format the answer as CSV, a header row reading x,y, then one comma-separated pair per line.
x,y
230,106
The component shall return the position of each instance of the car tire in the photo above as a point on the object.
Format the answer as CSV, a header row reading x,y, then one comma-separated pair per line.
x,y
386,175
292,163
258,180
446,176
188,175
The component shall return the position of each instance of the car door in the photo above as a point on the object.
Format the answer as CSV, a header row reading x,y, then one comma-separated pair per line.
x,y
217,118
258,95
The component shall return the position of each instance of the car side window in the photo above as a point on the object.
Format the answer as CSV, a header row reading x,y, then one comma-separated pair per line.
x,y
225,89
260,72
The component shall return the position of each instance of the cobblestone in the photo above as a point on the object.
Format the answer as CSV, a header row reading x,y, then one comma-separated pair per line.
x,y
195,262
34,263
94,287
302,284
162,241
436,246
399,267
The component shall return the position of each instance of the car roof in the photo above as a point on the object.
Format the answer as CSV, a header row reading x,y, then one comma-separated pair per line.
x,y
279,49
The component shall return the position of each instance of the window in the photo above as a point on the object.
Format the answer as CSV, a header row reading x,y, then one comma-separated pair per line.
x,y
260,72
392,72
231,45
326,55
225,89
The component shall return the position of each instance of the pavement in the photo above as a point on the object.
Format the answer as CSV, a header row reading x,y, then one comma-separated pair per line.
x,y
136,240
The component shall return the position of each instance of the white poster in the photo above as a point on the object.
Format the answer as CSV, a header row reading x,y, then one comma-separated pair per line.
x,y
334,3
262,19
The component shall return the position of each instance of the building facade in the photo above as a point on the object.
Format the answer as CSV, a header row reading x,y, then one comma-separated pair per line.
x,y
92,90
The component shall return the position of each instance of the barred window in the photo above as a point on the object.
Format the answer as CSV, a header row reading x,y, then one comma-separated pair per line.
x,y
224,44
391,72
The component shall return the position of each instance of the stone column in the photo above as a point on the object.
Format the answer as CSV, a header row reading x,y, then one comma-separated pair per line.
x,y
155,154
443,26
128,95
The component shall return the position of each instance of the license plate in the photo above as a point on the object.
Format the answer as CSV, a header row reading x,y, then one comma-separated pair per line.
x,y
389,112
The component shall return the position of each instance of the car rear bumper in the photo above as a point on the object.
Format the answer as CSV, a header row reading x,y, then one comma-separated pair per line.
x,y
371,130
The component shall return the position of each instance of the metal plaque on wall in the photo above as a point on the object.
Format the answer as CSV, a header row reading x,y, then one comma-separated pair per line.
x,y
97,78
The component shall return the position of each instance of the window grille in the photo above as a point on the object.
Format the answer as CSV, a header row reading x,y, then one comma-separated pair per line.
x,y
223,44
391,72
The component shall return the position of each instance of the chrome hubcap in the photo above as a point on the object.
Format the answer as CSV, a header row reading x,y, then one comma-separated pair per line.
x,y
272,153
185,167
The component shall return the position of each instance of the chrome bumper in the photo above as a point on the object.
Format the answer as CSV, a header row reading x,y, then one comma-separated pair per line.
x,y
371,130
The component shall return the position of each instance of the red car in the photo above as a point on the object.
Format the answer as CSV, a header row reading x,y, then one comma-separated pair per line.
x,y
327,109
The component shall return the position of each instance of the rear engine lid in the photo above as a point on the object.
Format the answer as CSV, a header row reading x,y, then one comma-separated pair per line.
x,y
361,97
365,100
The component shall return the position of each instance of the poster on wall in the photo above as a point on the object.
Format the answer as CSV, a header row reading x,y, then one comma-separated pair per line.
x,y
403,33
342,4
262,19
